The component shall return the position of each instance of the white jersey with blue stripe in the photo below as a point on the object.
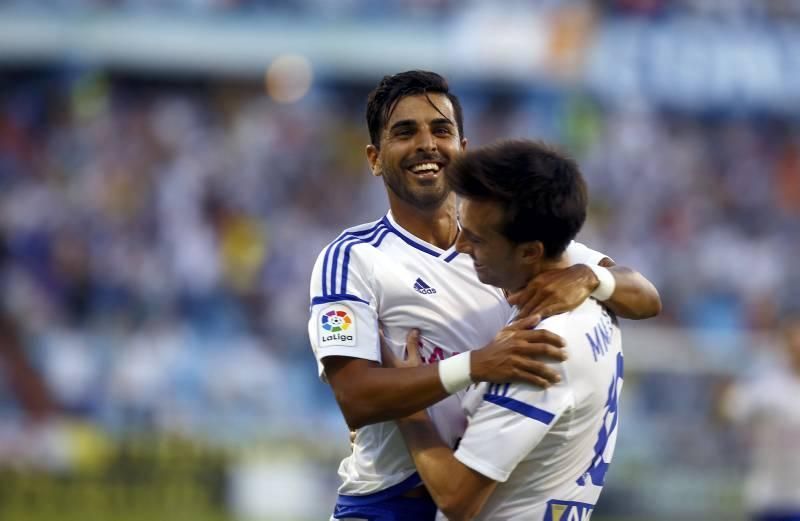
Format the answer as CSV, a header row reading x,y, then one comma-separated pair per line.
x,y
550,449
380,273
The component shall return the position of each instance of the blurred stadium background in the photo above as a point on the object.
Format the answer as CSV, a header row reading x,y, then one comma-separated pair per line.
x,y
170,169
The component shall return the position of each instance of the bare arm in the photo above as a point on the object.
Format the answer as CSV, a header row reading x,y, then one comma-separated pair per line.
x,y
634,296
368,393
457,490
558,291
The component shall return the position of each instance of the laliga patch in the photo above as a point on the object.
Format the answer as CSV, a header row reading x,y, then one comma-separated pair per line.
x,y
337,326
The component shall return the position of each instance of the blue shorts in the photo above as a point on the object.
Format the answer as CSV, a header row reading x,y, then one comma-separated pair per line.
x,y
777,515
386,505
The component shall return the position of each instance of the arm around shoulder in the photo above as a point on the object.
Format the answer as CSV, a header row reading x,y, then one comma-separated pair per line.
x,y
634,297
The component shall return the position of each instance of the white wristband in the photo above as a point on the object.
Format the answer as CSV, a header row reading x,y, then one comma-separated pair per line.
x,y
454,372
607,284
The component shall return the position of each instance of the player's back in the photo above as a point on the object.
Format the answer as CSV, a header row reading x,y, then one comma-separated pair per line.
x,y
550,449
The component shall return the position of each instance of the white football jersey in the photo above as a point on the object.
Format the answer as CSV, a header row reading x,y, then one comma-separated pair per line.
x,y
550,448
380,273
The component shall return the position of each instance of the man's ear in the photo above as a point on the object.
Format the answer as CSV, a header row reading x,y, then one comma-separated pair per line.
x,y
374,159
464,144
531,252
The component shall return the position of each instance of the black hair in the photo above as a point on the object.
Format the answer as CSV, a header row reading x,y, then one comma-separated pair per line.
x,y
541,191
382,100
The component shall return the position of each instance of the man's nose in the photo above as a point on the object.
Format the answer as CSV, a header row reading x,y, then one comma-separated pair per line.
x,y
426,141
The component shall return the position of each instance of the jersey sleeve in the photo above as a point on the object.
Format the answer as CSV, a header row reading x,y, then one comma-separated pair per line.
x,y
510,420
343,313
579,253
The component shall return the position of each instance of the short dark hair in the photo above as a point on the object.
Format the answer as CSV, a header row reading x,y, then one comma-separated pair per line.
x,y
382,100
541,191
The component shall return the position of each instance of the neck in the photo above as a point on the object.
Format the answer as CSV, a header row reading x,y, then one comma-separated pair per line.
x,y
558,263
437,226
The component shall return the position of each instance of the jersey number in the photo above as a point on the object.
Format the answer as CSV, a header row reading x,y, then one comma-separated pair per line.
x,y
599,466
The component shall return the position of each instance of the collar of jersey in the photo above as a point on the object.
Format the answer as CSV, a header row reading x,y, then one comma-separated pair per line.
x,y
416,242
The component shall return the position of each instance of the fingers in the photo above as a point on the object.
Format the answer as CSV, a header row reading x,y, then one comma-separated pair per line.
x,y
532,303
540,336
537,373
534,380
540,351
412,347
524,323
520,296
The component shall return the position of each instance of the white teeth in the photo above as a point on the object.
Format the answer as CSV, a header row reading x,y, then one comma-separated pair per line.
x,y
425,166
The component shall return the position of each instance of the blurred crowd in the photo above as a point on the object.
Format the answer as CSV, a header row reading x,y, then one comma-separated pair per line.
x,y
731,10
157,234
158,239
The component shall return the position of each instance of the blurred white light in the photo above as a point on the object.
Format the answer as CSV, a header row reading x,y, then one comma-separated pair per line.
x,y
264,489
288,78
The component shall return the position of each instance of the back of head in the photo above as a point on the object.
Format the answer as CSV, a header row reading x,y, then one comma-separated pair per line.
x,y
541,191
382,100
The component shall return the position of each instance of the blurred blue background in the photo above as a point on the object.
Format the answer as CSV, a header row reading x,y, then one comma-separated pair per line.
x,y
170,169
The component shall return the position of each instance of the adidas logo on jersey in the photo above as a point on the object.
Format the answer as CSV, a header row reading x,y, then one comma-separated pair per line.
x,y
423,288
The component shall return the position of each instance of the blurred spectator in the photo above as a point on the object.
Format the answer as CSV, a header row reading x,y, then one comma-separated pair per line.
x,y
199,209
767,409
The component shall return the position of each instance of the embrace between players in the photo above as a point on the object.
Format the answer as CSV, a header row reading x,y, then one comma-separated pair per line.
x,y
474,350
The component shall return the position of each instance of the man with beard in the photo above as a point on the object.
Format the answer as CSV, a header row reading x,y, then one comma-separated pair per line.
x,y
403,271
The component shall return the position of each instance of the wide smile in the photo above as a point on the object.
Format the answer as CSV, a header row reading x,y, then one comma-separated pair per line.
x,y
426,170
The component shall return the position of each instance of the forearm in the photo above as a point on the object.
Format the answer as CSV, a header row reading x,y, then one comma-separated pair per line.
x,y
634,296
368,393
452,485
388,394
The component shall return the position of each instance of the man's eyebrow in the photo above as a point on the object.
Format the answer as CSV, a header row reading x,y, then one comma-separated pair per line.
x,y
442,121
404,123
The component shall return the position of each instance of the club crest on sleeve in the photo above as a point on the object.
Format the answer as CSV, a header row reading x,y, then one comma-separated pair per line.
x,y
337,326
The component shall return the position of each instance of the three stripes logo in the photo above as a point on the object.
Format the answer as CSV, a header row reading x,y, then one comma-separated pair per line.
x,y
421,287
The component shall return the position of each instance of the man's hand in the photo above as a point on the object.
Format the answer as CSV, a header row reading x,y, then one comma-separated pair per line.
x,y
555,291
516,355
388,359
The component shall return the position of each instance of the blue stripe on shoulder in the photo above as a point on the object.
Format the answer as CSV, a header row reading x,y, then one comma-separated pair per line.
x,y
343,237
374,241
349,241
408,241
522,408
348,244
451,256
327,299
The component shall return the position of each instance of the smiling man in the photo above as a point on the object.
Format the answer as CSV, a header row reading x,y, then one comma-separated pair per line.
x,y
403,271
